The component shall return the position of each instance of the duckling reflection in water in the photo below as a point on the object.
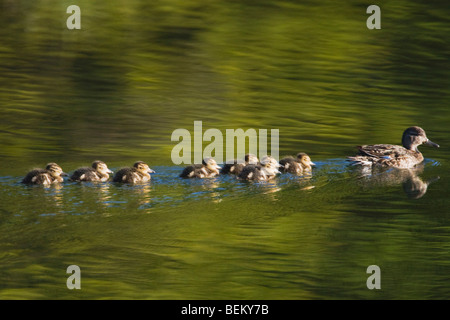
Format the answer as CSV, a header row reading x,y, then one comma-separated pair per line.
x,y
267,169
299,165
236,168
52,173
98,172
387,155
139,172
207,169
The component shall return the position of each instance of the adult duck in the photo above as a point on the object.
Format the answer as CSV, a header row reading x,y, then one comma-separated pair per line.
x,y
388,155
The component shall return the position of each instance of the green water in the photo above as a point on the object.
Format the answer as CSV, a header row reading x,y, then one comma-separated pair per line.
x,y
136,71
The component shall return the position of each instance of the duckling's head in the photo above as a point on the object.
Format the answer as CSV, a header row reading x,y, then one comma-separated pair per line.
x,y
415,136
55,170
101,167
270,163
211,164
142,167
305,160
251,159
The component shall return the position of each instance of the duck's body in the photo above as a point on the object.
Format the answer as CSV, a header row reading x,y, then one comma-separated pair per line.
x,y
98,172
52,173
236,167
140,172
207,169
387,155
267,169
299,165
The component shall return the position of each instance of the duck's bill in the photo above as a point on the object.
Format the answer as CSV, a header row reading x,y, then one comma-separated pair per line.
x,y
313,164
110,171
431,144
63,174
151,171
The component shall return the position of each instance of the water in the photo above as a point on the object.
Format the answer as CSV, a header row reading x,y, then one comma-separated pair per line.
x,y
116,89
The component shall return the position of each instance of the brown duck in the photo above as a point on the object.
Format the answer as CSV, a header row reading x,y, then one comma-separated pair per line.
x,y
207,169
267,169
51,174
139,172
97,172
388,155
236,167
299,165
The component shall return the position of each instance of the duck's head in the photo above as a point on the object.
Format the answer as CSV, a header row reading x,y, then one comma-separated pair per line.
x,y
270,163
55,170
142,167
305,160
251,159
101,167
415,136
211,164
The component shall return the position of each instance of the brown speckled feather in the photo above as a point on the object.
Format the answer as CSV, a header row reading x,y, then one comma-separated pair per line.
x,y
387,155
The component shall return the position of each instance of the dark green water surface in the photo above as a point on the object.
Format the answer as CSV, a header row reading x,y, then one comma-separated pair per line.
x,y
136,71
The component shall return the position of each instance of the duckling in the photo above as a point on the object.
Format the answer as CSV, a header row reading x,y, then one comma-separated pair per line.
x,y
52,173
236,168
98,172
394,156
207,169
266,170
140,172
300,164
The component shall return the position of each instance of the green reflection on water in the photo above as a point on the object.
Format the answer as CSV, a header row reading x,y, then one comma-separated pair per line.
x,y
116,89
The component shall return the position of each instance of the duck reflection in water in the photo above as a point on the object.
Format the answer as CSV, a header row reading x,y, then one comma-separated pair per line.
x,y
413,185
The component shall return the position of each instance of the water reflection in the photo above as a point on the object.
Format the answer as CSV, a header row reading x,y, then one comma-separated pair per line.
x,y
138,70
47,196
142,196
413,185
209,188
130,196
98,192
213,188
268,188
